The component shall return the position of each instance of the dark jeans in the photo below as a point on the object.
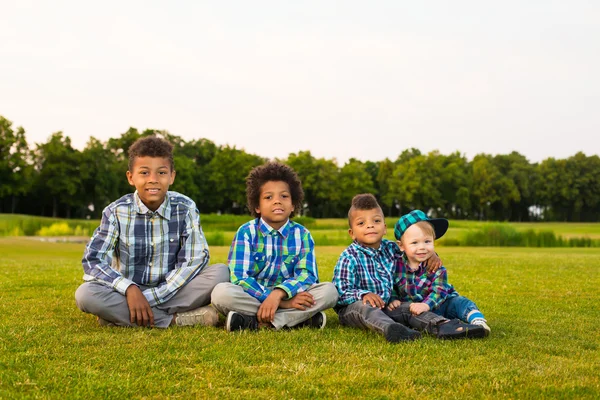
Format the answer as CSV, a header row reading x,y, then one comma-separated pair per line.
x,y
359,315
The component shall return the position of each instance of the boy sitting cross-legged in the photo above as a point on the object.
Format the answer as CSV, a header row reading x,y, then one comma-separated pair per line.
x,y
147,263
274,280
423,290
366,275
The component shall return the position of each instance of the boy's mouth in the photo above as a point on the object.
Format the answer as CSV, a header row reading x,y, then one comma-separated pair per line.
x,y
278,211
153,190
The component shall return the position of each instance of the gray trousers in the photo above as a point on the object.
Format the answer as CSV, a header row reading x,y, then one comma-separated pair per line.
x,y
364,316
229,297
101,300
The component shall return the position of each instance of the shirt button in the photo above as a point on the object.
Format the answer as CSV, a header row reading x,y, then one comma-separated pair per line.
x,y
172,198
150,264
170,240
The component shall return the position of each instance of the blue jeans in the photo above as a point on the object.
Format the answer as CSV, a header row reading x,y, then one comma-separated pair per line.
x,y
456,307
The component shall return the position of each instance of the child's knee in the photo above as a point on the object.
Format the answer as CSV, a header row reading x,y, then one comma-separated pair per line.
x,y
221,293
84,297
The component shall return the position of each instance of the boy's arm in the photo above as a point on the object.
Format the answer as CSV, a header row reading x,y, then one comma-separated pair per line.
x,y
242,267
99,252
343,279
192,257
305,271
439,289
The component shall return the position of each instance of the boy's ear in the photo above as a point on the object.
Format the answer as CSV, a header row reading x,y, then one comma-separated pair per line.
x,y
129,178
173,173
400,245
351,233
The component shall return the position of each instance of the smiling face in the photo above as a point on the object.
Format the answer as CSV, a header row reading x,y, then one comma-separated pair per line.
x,y
151,177
275,203
367,227
417,244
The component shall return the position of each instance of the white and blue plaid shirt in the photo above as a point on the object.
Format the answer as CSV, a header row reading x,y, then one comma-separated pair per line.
x,y
361,270
162,250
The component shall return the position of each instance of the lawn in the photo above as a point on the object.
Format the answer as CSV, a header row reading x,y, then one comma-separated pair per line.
x,y
542,305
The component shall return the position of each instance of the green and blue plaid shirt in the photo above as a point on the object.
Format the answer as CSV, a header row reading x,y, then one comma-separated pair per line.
x,y
419,286
163,250
262,259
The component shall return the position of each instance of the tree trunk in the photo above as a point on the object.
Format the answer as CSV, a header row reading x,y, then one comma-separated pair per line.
x,y
54,207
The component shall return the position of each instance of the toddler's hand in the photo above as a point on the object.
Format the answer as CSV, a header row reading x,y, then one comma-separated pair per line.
x,y
393,305
418,308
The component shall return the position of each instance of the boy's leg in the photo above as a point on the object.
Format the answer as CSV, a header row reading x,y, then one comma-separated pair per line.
x,y
197,292
325,295
363,316
110,305
427,321
228,297
462,308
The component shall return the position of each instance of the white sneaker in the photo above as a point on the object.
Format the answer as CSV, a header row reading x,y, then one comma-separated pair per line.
x,y
482,322
206,316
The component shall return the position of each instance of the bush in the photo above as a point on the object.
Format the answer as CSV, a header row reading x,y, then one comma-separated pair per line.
x,y
56,229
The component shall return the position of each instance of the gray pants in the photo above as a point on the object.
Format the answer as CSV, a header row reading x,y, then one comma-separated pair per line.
x,y
110,305
359,315
229,297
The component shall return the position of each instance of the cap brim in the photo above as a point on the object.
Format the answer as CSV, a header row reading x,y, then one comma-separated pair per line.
x,y
440,226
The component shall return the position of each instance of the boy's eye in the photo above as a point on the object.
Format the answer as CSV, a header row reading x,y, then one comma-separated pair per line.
x,y
267,197
359,223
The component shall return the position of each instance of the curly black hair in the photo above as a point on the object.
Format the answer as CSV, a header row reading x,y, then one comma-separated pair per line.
x,y
364,201
151,146
272,171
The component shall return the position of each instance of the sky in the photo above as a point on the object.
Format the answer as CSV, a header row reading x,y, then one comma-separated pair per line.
x,y
343,79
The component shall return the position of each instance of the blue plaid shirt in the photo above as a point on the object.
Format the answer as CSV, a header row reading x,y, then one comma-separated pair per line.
x,y
163,250
262,259
362,269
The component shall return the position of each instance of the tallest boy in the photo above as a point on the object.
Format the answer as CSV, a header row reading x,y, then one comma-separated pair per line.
x,y
147,263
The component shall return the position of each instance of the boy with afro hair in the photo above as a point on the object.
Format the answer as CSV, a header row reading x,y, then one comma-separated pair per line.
x,y
273,270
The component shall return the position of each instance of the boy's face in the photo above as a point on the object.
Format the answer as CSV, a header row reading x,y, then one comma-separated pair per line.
x,y
368,227
417,245
275,203
151,177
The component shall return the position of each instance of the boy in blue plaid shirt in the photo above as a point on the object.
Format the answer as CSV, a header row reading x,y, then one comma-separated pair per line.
x,y
147,263
274,278
366,276
423,290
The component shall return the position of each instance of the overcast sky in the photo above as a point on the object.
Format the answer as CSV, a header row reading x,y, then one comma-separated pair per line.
x,y
342,79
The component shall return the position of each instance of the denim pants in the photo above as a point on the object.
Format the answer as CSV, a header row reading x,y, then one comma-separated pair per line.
x,y
364,316
456,307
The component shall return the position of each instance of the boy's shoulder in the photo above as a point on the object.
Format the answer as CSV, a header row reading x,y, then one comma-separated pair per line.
x,y
176,200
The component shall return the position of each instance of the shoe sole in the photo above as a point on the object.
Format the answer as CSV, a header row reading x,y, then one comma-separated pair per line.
x,y
468,332
228,322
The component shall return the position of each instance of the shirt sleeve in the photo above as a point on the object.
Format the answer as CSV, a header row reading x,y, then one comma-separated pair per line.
x,y
99,252
242,267
305,270
439,289
192,257
343,279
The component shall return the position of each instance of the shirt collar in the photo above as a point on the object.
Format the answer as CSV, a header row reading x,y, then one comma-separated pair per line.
x,y
365,249
267,229
163,210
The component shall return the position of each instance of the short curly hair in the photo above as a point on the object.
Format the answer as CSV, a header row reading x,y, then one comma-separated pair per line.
x,y
151,146
272,171
364,201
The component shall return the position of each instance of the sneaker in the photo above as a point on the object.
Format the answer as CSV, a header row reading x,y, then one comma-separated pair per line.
x,y
206,316
317,321
396,332
483,323
103,322
240,322
456,329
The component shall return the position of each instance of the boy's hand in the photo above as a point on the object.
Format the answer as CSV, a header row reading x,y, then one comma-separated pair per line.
x,y
301,301
418,308
433,264
140,312
373,300
393,305
266,311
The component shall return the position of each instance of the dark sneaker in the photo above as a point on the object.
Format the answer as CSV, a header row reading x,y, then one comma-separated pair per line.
x,y
395,333
240,322
456,329
317,321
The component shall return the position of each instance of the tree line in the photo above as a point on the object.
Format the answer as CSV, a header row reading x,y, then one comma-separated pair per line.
x,y
55,179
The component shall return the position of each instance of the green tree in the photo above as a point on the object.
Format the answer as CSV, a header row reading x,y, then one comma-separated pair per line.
x,y
15,167
354,178
58,164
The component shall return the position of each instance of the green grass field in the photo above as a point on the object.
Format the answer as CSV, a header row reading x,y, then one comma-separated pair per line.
x,y
542,305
